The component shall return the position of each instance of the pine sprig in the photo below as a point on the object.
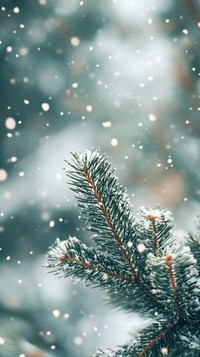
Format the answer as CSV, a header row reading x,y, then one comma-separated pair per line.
x,y
79,261
103,203
137,260
105,206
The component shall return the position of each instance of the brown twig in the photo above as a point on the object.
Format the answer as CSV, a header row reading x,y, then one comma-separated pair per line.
x,y
152,218
169,263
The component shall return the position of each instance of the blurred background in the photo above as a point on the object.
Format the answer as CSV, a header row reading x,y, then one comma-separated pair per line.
x,y
121,75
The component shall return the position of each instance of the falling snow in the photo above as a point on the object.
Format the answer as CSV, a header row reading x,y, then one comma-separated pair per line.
x,y
10,123
45,107
124,78
3,175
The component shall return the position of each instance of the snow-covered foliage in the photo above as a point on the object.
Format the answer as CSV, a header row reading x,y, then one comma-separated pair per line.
x,y
160,281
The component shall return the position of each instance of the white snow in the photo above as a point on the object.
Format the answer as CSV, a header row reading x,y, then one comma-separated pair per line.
x,y
45,107
10,123
75,41
3,175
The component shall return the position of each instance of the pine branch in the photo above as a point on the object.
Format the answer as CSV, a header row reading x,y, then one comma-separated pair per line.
x,y
106,208
175,277
103,203
73,258
137,260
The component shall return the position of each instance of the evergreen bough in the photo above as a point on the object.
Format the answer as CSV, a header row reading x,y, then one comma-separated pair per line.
x,y
138,260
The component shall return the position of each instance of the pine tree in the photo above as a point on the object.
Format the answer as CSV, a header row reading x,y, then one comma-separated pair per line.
x,y
137,260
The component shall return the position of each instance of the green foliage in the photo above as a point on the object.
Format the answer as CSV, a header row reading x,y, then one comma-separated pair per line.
x,y
194,243
138,260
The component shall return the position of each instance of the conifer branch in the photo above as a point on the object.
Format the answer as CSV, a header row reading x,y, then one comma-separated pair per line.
x,y
74,253
84,166
110,224
68,259
160,335
138,260
118,239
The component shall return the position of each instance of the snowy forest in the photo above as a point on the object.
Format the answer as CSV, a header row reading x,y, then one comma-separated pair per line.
x,y
119,75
